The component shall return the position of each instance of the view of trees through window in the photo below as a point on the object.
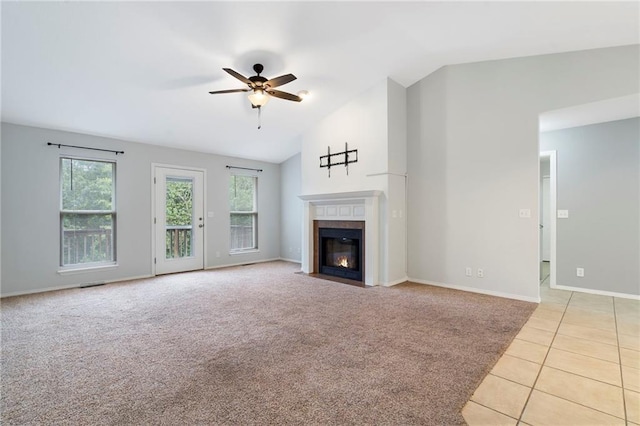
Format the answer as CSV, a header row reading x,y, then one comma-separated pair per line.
x,y
244,212
179,213
87,215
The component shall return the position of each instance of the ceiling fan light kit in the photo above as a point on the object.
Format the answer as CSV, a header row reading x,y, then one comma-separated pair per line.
x,y
261,88
258,98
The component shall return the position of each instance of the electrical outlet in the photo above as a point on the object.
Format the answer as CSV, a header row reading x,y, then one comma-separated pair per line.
x,y
524,213
468,272
480,273
580,272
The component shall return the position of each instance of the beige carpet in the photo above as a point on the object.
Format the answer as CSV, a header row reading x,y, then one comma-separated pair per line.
x,y
249,345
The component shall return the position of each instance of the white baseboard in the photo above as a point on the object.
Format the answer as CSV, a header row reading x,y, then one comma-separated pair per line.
x,y
477,290
284,259
98,282
70,286
396,282
597,292
251,262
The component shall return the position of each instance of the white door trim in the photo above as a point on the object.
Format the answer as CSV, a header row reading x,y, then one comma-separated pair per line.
x,y
551,155
153,209
545,219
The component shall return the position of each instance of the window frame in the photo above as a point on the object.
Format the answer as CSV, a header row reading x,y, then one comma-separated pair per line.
x,y
253,213
70,267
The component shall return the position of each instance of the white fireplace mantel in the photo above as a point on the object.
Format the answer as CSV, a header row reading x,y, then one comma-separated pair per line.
x,y
341,196
357,205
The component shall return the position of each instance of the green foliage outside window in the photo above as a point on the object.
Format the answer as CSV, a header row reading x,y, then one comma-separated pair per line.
x,y
87,185
179,201
242,193
179,217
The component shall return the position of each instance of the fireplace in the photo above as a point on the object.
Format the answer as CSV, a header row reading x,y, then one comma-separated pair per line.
x,y
340,249
347,210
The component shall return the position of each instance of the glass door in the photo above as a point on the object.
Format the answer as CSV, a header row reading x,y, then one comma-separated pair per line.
x,y
179,220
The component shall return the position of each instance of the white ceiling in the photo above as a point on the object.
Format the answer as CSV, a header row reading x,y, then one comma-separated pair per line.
x,y
140,71
591,113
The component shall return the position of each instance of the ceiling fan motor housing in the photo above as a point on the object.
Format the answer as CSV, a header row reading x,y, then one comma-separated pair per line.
x,y
258,80
258,68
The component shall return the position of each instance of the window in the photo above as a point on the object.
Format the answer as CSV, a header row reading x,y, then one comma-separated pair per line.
x,y
244,212
87,212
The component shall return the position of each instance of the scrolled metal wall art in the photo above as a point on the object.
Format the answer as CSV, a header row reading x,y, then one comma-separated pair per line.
x,y
346,157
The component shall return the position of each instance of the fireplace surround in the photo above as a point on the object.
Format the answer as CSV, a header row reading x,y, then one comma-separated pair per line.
x,y
357,206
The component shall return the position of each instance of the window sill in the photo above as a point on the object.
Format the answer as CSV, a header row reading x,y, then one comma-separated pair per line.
x,y
234,253
87,269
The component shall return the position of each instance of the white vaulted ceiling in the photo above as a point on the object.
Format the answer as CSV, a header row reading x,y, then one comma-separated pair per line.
x,y
140,71
595,112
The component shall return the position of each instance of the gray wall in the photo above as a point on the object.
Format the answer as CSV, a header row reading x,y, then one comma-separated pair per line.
x,y
291,208
598,182
473,161
30,203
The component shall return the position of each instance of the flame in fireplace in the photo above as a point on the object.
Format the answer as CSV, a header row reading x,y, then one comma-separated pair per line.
x,y
342,261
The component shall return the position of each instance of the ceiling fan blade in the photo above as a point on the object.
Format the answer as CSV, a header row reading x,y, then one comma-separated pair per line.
x,y
284,95
279,81
216,92
239,76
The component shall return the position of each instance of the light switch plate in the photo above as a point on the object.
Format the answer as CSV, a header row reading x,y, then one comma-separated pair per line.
x,y
525,213
563,214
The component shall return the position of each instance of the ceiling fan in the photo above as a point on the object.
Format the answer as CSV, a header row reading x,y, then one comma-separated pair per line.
x,y
260,87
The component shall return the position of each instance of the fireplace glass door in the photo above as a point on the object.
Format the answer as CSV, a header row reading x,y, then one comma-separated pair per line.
x,y
341,252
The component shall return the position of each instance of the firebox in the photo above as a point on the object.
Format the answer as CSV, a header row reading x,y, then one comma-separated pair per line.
x,y
340,252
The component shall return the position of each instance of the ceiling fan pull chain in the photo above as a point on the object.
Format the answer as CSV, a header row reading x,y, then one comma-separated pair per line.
x,y
259,117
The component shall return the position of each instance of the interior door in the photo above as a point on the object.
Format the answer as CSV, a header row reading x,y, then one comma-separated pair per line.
x,y
178,220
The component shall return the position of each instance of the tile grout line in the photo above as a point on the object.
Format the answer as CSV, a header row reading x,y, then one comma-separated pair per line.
x,y
556,396
492,409
624,397
585,355
507,379
543,361
589,341
584,377
582,405
584,338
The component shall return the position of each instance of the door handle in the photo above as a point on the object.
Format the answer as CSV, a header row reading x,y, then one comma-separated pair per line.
x,y
201,225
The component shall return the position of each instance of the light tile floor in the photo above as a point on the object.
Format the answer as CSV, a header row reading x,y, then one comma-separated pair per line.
x,y
575,362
